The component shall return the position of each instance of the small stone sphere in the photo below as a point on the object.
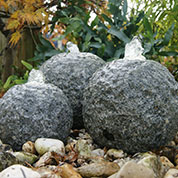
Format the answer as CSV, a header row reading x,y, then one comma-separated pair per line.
x,y
71,72
131,105
34,110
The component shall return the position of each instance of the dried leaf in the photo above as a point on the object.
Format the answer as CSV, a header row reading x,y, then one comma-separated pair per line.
x,y
13,24
15,37
16,14
71,157
4,4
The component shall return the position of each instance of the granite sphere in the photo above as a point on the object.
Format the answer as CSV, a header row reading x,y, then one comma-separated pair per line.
x,y
34,110
71,72
131,105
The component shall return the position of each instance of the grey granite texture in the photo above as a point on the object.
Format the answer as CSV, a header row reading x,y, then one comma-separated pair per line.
x,y
131,105
6,160
71,72
34,110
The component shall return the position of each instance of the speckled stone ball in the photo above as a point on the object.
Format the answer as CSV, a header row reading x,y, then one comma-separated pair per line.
x,y
71,72
34,110
131,105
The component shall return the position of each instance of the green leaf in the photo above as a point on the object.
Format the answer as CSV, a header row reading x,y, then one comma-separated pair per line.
x,y
101,50
125,8
168,35
75,24
27,65
147,48
140,16
45,42
8,81
168,53
109,20
20,81
95,45
85,45
98,39
51,53
88,37
40,48
162,15
109,50
119,52
147,26
119,34
95,22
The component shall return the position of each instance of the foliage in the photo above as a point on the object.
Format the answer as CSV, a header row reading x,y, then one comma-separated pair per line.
x,y
162,15
44,50
66,10
163,26
14,79
107,34
153,47
112,28
172,64
71,8
21,14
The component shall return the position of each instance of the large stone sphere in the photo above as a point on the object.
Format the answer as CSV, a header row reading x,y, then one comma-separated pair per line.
x,y
71,72
34,110
131,105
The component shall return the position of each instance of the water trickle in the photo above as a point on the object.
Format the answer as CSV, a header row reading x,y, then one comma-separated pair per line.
x,y
72,48
36,76
134,50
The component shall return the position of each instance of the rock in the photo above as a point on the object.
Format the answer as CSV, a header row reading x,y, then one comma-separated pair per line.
x,y
169,152
71,72
134,170
98,152
172,173
83,149
25,157
176,138
97,169
49,172
68,171
131,105
34,110
43,145
151,161
6,160
19,171
5,147
172,143
29,147
166,164
115,154
46,159
71,146
72,48
37,76
122,161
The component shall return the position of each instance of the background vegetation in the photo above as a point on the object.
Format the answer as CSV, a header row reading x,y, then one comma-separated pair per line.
x,y
34,32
